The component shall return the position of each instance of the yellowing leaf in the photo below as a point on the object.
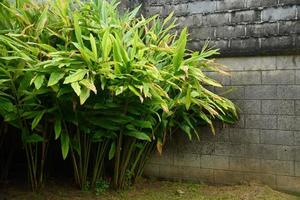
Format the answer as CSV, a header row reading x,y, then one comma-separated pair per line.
x,y
89,84
159,147
136,92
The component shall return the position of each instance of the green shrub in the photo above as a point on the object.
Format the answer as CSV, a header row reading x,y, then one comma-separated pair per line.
x,y
108,86
101,186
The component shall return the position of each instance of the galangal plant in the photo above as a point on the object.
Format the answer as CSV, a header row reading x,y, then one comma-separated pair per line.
x,y
109,86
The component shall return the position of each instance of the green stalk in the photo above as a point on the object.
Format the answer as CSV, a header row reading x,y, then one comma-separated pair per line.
x,y
77,168
117,159
29,168
82,155
28,150
124,154
137,159
43,155
76,172
126,157
87,150
31,157
144,160
101,158
84,148
35,159
98,167
80,162
118,151
33,167
4,131
42,165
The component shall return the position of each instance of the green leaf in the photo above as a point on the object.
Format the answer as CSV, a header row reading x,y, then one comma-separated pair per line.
x,y
77,29
98,136
103,82
33,138
120,49
134,12
6,105
84,95
117,57
75,143
94,47
211,82
138,135
77,76
76,87
65,144
54,78
142,124
57,128
38,81
63,6
42,21
188,98
187,130
17,14
106,45
132,89
44,46
37,119
179,52
167,19
103,123
112,151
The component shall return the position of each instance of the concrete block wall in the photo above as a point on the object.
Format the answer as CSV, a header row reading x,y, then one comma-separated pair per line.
x,y
237,27
263,146
260,43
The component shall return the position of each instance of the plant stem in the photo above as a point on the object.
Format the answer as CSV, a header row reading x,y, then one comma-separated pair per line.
x,y
144,159
99,160
137,159
76,172
117,159
29,168
118,151
126,157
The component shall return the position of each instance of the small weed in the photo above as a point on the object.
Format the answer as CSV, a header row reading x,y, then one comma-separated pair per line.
x,y
101,186
86,186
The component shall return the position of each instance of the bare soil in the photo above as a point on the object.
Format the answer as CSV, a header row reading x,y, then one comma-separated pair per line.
x,y
146,189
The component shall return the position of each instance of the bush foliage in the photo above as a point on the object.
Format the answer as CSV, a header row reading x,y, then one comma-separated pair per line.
x,y
110,87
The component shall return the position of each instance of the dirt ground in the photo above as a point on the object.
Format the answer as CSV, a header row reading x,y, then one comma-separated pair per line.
x,y
147,189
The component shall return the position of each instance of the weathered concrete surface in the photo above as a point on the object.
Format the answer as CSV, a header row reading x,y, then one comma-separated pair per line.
x,y
263,146
237,27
